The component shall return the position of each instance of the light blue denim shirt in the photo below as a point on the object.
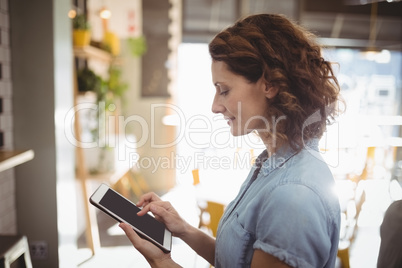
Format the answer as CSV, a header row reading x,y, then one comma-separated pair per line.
x,y
288,209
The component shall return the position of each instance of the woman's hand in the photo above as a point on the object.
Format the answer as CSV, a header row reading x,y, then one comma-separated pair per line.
x,y
164,212
154,255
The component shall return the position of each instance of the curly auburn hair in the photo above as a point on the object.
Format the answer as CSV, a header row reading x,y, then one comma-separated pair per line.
x,y
289,59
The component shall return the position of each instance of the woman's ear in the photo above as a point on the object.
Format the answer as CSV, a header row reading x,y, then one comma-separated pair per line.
x,y
270,91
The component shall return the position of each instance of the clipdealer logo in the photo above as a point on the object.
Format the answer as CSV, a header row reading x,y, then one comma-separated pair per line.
x,y
189,129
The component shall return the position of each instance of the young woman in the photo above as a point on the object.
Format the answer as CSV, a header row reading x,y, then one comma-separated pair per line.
x,y
270,78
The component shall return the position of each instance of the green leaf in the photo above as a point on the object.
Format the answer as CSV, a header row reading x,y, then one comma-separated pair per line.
x,y
137,45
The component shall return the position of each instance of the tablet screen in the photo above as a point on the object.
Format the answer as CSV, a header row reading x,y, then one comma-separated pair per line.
x,y
127,211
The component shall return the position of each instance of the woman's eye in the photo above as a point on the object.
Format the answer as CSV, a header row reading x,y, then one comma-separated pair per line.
x,y
224,93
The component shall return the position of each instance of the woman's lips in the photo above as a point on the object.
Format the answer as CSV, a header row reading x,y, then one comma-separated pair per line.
x,y
229,120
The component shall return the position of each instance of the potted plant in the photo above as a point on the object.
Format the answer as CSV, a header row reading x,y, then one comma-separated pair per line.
x,y
137,45
88,81
81,31
112,88
107,91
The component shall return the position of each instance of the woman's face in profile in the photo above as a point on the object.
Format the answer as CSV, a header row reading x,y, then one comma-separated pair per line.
x,y
243,104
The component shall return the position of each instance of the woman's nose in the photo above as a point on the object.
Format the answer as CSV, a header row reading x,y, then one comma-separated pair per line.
x,y
217,107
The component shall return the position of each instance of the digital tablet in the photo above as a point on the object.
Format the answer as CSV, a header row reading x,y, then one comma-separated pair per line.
x,y
123,210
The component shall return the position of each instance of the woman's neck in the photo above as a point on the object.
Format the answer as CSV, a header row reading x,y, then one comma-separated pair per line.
x,y
273,146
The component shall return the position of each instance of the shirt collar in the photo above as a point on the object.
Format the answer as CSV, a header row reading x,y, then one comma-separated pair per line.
x,y
281,156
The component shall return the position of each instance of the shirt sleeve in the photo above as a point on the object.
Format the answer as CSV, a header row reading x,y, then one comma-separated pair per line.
x,y
292,225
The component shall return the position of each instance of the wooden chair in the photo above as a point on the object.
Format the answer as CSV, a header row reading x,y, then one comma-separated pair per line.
x,y
196,176
343,254
14,249
131,185
210,211
211,215
349,228
351,215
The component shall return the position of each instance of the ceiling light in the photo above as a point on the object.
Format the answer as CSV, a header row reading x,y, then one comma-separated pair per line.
x,y
72,13
105,13
379,56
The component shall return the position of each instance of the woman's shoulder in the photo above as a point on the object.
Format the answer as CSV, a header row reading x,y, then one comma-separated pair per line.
x,y
308,164
304,174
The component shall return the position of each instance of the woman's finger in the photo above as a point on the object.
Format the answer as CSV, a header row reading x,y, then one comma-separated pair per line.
x,y
147,207
135,239
148,198
151,252
164,215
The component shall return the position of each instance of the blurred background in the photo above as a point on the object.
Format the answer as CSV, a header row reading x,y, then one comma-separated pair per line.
x,y
120,92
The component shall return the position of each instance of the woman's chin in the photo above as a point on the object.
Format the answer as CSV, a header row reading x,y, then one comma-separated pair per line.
x,y
235,132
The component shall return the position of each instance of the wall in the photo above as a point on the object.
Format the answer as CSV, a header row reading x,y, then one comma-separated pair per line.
x,y
8,213
156,69
41,54
65,151
149,75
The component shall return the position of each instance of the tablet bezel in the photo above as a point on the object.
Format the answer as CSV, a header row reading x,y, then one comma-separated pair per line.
x,y
97,197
